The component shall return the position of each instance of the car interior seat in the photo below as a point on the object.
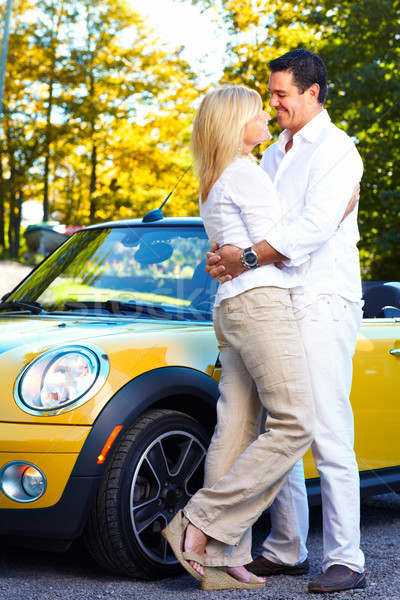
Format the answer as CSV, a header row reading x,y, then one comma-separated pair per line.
x,y
203,289
382,300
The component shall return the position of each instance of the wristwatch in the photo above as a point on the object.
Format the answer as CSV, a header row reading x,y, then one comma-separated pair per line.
x,y
249,258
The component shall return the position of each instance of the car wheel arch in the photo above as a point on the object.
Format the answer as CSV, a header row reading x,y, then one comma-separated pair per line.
x,y
149,477
187,390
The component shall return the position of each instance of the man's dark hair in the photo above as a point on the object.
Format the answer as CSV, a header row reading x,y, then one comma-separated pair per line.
x,y
306,68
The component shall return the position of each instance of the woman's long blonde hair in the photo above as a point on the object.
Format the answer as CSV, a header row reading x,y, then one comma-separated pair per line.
x,y
218,131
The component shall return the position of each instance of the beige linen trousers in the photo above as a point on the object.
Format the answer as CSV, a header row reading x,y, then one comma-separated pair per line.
x,y
263,366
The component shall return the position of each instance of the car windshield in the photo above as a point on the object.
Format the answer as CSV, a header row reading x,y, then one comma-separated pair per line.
x,y
152,271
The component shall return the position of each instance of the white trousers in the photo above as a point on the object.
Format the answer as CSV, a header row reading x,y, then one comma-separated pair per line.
x,y
329,331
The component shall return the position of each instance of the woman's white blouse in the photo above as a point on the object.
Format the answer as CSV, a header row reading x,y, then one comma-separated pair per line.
x,y
241,209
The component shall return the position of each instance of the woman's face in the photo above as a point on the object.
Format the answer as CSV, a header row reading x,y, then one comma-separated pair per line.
x,y
256,131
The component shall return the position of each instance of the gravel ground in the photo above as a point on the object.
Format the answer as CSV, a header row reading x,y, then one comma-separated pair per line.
x,y
34,575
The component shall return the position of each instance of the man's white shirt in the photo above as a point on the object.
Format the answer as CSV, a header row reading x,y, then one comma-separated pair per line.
x,y
315,181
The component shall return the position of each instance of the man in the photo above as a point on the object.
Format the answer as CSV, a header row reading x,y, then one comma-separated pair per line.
x,y
314,167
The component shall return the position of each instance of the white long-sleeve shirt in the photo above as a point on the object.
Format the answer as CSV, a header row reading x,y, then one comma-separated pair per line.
x,y
315,180
242,208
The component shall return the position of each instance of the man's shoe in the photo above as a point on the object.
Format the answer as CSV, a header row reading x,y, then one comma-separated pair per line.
x,y
265,568
336,579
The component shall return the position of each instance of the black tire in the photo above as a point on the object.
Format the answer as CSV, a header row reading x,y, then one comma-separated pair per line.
x,y
156,468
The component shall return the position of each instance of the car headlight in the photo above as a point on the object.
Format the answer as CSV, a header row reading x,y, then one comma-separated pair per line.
x,y
22,481
60,378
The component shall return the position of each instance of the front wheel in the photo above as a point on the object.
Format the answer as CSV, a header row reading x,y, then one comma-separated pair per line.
x,y
156,468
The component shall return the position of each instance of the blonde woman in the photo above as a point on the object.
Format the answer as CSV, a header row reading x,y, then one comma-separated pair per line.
x,y
262,356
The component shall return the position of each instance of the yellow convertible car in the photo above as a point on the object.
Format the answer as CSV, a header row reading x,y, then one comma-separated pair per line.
x,y
109,380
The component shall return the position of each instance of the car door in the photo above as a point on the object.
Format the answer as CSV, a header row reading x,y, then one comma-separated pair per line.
x,y
375,394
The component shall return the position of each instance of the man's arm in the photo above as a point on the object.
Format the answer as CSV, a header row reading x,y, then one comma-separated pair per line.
x,y
333,173
225,263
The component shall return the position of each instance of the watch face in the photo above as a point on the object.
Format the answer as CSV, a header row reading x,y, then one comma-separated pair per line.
x,y
250,258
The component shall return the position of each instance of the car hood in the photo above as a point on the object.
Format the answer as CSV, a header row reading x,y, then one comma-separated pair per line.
x,y
133,347
43,332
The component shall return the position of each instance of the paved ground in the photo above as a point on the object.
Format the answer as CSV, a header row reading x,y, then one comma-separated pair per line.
x,y
11,273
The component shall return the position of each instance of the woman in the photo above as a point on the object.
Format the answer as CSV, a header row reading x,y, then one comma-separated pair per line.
x,y
261,353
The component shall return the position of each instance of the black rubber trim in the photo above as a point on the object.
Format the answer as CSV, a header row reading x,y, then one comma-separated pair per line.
x,y
54,527
177,388
372,483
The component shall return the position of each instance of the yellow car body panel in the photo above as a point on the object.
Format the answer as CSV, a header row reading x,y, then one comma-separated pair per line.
x,y
44,439
375,398
376,395
156,346
52,448
53,442
375,376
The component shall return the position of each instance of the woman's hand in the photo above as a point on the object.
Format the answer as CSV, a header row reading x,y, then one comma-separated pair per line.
x,y
223,264
355,197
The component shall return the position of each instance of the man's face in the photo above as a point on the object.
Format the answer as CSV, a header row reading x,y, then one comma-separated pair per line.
x,y
293,109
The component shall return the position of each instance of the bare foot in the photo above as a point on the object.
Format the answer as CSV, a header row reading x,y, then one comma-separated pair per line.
x,y
242,574
195,541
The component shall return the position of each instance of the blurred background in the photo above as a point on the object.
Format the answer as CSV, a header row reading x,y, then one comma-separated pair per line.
x,y
98,97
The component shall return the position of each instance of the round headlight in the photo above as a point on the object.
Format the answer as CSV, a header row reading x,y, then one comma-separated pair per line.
x,y
22,481
33,482
60,378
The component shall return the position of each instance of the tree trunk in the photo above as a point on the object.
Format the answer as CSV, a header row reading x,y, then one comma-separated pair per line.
x,y
17,222
11,227
46,185
2,232
93,184
48,150
2,204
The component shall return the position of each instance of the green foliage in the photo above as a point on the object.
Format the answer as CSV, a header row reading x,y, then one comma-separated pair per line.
x,y
96,114
359,42
364,98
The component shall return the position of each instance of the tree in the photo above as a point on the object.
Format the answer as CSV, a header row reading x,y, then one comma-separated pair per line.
x,y
359,42
365,100
96,107
20,137
120,88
